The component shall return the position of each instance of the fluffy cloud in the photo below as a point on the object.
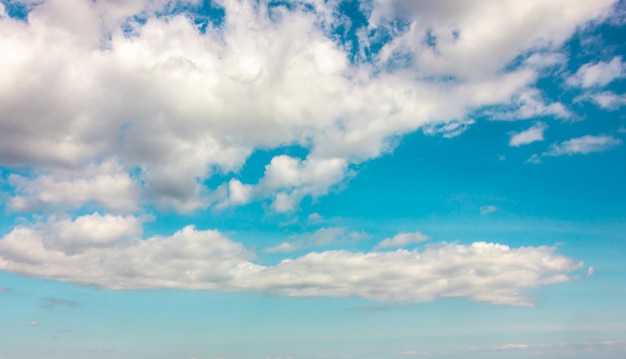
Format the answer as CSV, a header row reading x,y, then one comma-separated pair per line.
x,y
194,259
402,240
533,134
106,184
598,74
175,104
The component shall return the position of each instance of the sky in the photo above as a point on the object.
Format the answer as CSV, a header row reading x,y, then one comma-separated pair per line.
x,y
312,179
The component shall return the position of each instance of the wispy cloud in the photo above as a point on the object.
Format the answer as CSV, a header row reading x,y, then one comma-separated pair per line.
x,y
583,145
578,146
402,240
533,134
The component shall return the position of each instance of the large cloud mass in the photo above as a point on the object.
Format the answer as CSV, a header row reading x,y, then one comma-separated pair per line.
x,y
127,107
106,252
84,83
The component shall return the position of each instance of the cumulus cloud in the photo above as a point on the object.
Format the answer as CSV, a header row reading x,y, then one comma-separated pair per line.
x,y
195,259
402,240
598,74
107,185
174,104
533,134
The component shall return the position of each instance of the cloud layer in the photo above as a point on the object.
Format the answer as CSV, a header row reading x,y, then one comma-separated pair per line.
x,y
194,259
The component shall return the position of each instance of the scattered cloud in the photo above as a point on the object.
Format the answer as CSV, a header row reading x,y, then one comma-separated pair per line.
x,y
33,323
598,74
402,240
533,134
5,290
193,259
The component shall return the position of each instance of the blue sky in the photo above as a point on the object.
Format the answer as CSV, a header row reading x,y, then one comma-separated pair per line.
x,y
312,179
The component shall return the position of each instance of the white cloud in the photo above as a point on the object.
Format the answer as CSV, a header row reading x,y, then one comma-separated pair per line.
x,y
33,323
450,129
578,146
475,37
193,259
583,145
106,184
403,240
608,100
176,105
533,134
598,74
95,230
237,193
513,346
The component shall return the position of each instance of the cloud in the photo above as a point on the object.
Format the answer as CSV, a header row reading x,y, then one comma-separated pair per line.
x,y
106,184
95,230
194,259
33,323
320,237
450,129
488,209
172,105
513,346
598,74
51,303
608,100
5,290
533,134
402,240
583,145
580,145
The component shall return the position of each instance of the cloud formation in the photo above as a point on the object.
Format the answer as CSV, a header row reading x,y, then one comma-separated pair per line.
x,y
194,259
598,74
152,106
533,134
